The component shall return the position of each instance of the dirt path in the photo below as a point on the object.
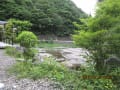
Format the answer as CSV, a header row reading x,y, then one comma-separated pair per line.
x,y
5,63
11,83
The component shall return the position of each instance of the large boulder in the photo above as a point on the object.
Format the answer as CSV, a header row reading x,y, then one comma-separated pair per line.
x,y
4,45
2,86
111,63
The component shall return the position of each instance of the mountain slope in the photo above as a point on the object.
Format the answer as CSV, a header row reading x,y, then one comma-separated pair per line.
x,y
47,16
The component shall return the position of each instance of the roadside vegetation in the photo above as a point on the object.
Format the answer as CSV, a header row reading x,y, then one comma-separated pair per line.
x,y
66,78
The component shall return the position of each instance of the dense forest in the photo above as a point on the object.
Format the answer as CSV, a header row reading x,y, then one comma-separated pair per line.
x,y
47,16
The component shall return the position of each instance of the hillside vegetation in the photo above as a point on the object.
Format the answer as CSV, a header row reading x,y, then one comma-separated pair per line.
x,y
47,16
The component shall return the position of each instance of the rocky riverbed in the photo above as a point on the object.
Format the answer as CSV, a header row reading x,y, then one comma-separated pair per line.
x,y
70,57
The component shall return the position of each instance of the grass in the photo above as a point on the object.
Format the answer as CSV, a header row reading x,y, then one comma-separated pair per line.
x,y
11,51
52,45
69,79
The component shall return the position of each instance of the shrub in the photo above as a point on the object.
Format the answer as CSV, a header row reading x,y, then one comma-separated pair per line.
x,y
95,43
27,39
115,73
19,25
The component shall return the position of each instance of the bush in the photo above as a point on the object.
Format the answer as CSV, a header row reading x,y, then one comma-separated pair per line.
x,y
27,39
95,43
115,73
19,25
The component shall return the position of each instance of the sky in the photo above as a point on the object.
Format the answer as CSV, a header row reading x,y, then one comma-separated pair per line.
x,y
87,6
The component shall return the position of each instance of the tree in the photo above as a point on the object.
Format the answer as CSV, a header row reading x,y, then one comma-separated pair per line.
x,y
18,25
28,40
102,38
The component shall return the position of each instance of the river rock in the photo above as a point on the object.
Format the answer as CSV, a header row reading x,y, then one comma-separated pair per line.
x,y
75,57
2,86
70,57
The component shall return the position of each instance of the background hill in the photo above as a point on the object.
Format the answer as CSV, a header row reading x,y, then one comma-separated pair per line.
x,y
47,16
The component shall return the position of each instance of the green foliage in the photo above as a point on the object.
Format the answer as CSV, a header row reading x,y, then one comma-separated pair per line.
x,y
102,38
89,40
1,33
111,9
57,20
29,54
9,30
115,73
1,28
47,16
107,15
13,52
82,24
69,79
95,43
18,25
27,39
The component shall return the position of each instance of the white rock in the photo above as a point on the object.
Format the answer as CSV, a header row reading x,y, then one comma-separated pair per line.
x,y
14,86
45,55
2,85
3,45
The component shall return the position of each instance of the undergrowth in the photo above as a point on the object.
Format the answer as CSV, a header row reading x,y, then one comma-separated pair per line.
x,y
69,79
11,51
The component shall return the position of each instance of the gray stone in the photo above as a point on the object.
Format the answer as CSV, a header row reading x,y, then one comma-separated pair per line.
x,y
44,55
14,86
60,59
2,86
111,63
3,45
75,56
